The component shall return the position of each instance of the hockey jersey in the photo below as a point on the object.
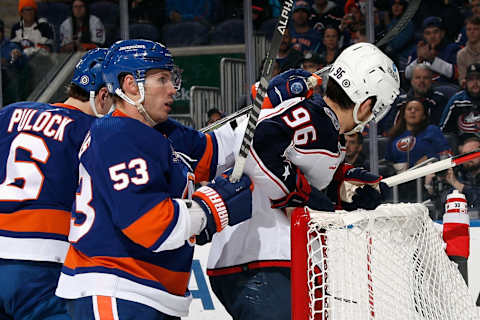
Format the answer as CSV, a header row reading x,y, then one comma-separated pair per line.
x,y
300,134
38,178
129,233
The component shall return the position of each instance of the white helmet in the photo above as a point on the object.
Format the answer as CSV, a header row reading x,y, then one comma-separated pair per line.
x,y
364,71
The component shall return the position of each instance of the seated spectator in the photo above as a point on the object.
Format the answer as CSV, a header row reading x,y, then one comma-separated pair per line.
x,y
421,89
473,10
465,178
400,46
313,62
471,52
190,10
325,13
13,61
303,37
287,56
412,141
81,31
353,150
331,45
359,33
461,115
34,35
213,115
435,51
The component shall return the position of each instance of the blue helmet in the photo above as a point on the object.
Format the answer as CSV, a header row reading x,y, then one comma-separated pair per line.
x,y
135,57
88,71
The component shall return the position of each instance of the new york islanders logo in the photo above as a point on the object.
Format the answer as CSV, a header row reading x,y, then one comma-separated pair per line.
x,y
406,144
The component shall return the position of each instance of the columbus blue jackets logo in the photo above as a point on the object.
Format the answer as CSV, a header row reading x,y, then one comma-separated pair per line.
x,y
406,144
469,122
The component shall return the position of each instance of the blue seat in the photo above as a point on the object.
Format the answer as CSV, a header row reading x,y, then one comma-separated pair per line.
x,y
144,31
188,33
228,32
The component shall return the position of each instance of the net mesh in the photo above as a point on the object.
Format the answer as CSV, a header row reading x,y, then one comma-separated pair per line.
x,y
389,263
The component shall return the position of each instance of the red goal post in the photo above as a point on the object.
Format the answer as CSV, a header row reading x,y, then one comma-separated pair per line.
x,y
387,263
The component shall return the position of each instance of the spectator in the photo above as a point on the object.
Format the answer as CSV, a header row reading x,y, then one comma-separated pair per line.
x,y
313,62
359,33
353,150
325,13
467,181
81,31
420,88
287,57
331,46
474,11
213,115
412,141
471,52
189,10
434,51
400,46
13,61
304,38
461,115
34,35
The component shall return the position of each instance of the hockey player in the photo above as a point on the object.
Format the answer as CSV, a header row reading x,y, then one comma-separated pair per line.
x,y
132,234
249,263
38,178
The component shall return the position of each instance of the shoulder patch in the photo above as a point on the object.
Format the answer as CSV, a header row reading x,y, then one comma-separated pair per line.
x,y
333,117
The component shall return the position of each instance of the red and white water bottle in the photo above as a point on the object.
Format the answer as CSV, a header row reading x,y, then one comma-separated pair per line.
x,y
456,223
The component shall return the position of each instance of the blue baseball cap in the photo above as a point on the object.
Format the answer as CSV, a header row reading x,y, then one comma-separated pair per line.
x,y
301,5
432,21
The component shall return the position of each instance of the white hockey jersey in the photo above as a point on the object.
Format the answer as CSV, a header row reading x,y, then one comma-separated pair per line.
x,y
300,134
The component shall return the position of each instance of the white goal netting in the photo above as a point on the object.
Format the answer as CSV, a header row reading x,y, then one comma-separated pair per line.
x,y
389,263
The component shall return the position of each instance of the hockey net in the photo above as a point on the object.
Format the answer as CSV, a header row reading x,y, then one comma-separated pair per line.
x,y
388,263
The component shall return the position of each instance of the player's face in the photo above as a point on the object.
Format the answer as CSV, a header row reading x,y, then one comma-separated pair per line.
x,y
159,93
414,113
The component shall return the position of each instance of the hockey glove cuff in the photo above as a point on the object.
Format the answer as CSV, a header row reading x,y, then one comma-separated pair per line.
x,y
224,203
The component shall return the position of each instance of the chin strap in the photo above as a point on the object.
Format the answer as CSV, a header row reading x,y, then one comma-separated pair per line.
x,y
138,104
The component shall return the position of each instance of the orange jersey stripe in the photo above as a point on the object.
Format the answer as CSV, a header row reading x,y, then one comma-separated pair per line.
x,y
174,282
202,171
147,229
37,220
104,306
67,106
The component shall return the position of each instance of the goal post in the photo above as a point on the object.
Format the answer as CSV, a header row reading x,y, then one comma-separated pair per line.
x,y
387,263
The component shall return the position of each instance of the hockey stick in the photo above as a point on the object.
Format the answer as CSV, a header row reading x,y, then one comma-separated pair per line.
x,y
262,89
431,168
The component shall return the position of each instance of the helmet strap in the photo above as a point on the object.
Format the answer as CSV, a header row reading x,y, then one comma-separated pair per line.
x,y
138,104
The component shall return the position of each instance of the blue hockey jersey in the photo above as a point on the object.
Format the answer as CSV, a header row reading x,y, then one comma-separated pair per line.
x,y
130,232
39,148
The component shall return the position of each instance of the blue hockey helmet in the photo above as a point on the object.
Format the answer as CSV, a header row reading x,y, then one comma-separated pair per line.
x,y
135,57
88,71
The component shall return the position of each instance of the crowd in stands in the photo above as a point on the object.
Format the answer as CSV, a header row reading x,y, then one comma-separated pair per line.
x,y
437,53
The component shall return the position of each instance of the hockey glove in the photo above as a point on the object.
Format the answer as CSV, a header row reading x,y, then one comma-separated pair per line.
x,y
224,203
290,84
361,189
304,195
